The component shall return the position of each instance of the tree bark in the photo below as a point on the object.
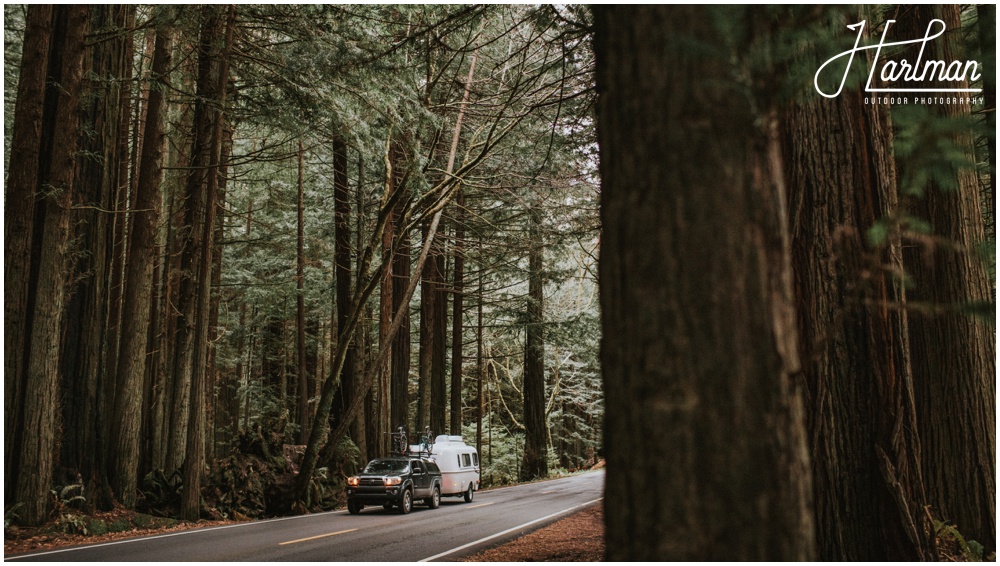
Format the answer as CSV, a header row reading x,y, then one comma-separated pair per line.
x,y
458,297
41,389
439,346
300,309
342,259
105,121
987,27
535,461
20,198
427,299
139,281
868,492
953,354
387,304
705,429
400,381
216,44
480,360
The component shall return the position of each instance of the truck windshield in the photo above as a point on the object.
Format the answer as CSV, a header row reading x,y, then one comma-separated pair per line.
x,y
386,467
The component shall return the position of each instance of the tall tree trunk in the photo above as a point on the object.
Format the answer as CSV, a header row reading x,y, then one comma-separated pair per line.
x,y
427,309
387,305
58,156
342,260
96,179
439,346
242,368
458,302
19,211
139,281
953,354
868,493
535,462
480,360
219,392
216,43
705,430
300,308
400,381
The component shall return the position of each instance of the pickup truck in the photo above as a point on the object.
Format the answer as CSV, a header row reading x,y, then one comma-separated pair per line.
x,y
395,482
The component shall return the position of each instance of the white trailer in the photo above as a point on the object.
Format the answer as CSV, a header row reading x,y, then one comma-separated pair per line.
x,y
459,465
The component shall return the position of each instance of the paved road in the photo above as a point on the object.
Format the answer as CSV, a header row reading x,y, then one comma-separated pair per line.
x,y
454,530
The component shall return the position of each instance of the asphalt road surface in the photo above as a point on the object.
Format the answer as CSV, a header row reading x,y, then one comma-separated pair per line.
x,y
453,530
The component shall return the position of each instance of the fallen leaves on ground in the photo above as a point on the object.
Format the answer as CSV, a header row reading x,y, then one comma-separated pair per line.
x,y
577,538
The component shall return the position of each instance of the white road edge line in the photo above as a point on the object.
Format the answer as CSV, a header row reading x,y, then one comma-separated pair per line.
x,y
316,537
178,533
508,531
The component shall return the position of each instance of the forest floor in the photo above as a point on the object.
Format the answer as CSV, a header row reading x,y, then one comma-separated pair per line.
x,y
577,538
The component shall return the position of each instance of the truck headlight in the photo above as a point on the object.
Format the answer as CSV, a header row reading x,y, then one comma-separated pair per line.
x,y
352,481
394,480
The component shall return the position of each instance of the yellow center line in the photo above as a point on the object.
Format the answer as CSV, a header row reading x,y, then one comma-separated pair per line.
x,y
316,537
482,504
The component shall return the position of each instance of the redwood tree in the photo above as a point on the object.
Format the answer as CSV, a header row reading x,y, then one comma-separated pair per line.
x,y
705,429
535,428
868,493
19,210
57,159
139,279
953,354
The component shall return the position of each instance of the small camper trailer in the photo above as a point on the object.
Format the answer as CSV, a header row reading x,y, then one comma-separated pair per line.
x,y
459,465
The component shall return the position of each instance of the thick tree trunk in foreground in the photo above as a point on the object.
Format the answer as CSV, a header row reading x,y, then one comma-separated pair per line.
x,y
57,162
853,338
139,281
705,428
953,354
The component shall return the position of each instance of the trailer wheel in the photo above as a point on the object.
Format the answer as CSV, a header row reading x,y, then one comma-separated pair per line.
x,y
468,494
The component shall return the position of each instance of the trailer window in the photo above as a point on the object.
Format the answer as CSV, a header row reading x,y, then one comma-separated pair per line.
x,y
466,461
475,459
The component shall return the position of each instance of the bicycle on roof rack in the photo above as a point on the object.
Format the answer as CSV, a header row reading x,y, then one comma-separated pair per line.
x,y
426,445
399,444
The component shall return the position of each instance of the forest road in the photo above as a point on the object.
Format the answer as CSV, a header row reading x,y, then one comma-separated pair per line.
x,y
454,530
